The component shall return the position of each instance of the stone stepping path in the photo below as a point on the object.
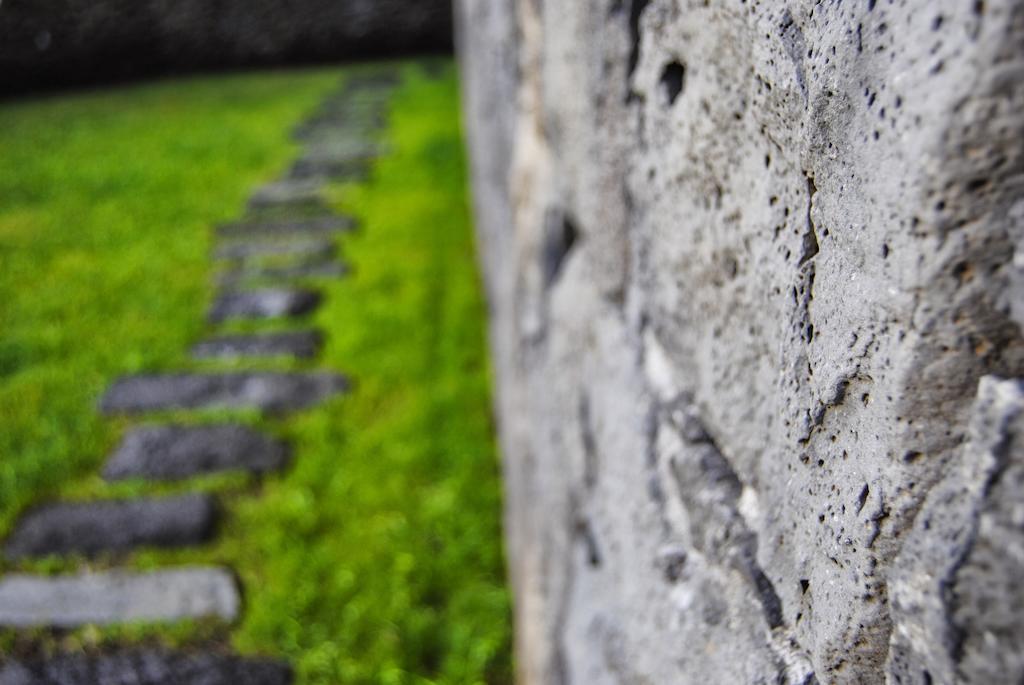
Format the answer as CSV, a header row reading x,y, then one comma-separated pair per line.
x,y
288,235
352,116
290,191
146,667
175,452
115,597
330,268
264,303
254,228
91,528
325,164
307,248
340,150
267,391
299,344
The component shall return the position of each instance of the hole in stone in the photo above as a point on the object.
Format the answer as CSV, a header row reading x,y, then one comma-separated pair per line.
x,y
862,498
976,185
593,552
911,457
805,585
673,79
963,272
560,237
810,242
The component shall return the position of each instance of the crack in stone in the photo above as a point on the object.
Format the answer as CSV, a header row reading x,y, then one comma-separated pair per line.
x,y
711,489
810,245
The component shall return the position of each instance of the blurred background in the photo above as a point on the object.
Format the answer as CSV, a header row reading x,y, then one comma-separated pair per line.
x,y
242,338
50,43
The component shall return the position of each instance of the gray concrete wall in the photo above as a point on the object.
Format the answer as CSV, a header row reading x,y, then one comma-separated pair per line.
x,y
751,268
47,43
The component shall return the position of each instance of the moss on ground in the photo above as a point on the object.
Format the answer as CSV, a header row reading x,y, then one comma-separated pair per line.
x,y
376,557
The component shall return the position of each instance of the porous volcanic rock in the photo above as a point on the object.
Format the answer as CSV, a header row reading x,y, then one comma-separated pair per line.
x,y
747,263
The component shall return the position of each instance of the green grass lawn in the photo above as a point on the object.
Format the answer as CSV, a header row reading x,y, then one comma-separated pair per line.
x,y
377,557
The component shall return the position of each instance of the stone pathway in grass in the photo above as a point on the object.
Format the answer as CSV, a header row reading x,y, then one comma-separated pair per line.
x,y
266,261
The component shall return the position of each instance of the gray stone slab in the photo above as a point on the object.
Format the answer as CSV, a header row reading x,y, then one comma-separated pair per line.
x,y
318,225
264,303
146,667
343,147
345,119
267,391
282,274
329,155
274,211
329,126
303,344
288,192
175,452
116,597
309,248
91,528
314,166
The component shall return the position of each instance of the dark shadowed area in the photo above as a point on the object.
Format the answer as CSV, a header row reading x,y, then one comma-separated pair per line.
x,y
54,43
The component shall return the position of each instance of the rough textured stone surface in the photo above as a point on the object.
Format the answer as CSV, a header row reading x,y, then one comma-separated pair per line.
x,y
291,343
267,391
94,527
115,597
175,452
286,227
146,667
264,303
58,42
747,263
958,607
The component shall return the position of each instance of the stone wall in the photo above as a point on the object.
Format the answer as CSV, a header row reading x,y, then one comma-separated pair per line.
x,y
46,43
750,266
